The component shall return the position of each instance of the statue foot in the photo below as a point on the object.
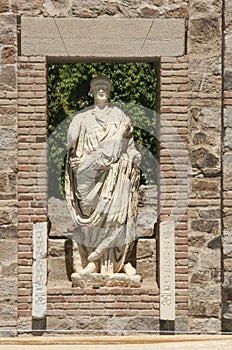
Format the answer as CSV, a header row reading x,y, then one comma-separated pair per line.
x,y
90,268
129,270
94,255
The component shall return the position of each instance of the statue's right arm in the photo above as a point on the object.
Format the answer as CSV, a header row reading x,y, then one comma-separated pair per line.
x,y
74,131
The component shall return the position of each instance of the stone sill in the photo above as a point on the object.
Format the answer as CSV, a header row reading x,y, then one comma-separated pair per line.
x,y
140,342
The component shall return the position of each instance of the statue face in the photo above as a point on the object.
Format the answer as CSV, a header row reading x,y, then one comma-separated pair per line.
x,y
101,94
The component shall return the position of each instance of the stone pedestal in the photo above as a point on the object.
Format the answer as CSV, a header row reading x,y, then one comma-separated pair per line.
x,y
97,280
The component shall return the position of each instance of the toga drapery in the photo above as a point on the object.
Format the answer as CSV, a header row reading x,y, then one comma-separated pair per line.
x,y
102,182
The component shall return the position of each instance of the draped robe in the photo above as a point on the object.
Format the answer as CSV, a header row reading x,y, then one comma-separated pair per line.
x,y
101,184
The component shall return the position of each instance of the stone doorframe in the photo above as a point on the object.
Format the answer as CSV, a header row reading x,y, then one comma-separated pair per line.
x,y
96,40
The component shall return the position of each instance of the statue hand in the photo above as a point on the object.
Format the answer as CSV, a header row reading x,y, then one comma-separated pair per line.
x,y
74,162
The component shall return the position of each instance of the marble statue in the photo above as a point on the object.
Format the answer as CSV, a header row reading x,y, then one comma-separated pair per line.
x,y
101,185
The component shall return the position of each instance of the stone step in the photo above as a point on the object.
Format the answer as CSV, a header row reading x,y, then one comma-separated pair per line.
x,y
140,342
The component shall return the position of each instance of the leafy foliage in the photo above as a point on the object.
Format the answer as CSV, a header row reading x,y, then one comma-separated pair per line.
x,y
68,92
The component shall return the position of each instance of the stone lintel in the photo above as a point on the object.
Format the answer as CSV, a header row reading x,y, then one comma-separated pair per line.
x,y
89,39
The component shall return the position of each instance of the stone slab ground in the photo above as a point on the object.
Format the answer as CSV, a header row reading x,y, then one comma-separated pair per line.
x,y
141,342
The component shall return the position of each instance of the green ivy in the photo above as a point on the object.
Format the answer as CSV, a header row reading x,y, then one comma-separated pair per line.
x,y
134,86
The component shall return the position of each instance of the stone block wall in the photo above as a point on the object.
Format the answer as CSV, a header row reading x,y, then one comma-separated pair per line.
x,y
8,172
227,170
203,269
205,130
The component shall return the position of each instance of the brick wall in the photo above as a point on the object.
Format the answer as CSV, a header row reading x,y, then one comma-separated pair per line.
x,y
174,165
104,310
32,170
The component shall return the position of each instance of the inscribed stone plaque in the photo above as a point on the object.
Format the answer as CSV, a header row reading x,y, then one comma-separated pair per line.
x,y
39,270
167,270
39,281
40,240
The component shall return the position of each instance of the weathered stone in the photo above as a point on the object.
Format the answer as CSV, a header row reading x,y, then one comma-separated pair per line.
x,y
56,247
228,44
156,2
24,5
8,286
9,270
60,218
3,182
181,324
228,79
147,211
227,250
227,179
4,6
8,232
210,213
197,241
112,9
228,218
202,158
57,270
205,34
227,324
7,310
181,11
228,138
205,76
228,265
8,78
8,120
215,243
209,226
8,55
201,308
7,29
9,249
199,138
211,118
7,216
227,237
146,260
57,7
149,12
205,188
210,291
228,117
201,277
92,6
211,259
144,324
60,261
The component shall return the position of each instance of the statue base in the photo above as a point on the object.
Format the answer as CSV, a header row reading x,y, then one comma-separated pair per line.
x,y
97,280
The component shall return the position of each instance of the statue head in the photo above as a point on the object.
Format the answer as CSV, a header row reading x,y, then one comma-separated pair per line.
x,y
100,87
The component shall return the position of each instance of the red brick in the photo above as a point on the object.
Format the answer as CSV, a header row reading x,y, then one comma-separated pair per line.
x,y
126,313
25,255
24,312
